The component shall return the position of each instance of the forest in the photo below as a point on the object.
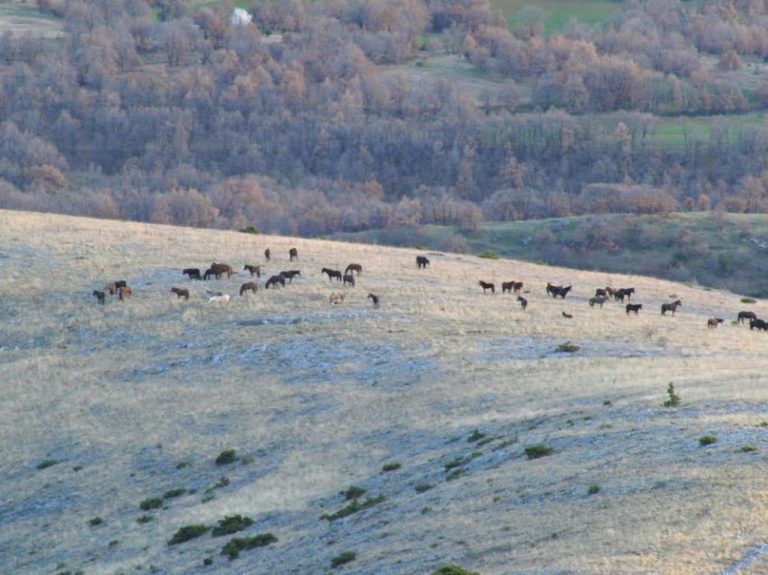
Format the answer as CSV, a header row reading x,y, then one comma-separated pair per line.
x,y
333,116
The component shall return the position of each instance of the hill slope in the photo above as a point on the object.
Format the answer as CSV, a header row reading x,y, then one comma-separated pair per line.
x,y
110,407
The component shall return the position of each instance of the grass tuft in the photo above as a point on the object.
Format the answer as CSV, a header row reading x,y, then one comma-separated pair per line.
x,y
673,399
391,467
187,533
231,524
453,570
233,548
151,503
538,451
343,558
707,440
226,457
47,463
353,507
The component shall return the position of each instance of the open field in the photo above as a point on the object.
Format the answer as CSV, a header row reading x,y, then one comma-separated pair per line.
x,y
108,407
557,13
23,18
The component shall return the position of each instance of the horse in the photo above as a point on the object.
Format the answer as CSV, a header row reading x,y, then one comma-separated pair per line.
x,y
211,272
223,269
254,270
523,302
665,307
422,262
611,291
114,286
759,324
375,299
336,298
551,288
331,273
193,273
274,280
624,292
266,254
248,286
600,292
290,274
124,292
743,315
598,300
561,291
354,268
349,279
220,299
567,315
511,286
712,322
633,307
487,286
100,296
180,292
293,254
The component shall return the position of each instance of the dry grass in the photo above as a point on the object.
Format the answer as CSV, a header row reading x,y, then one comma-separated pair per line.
x,y
316,398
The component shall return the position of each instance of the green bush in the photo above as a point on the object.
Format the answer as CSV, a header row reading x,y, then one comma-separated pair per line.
x,y
454,570
538,450
748,448
707,440
231,524
226,457
144,519
47,463
95,521
353,492
489,255
250,230
233,548
475,436
342,558
171,493
567,347
422,487
151,503
748,300
391,467
593,488
673,400
353,507
188,532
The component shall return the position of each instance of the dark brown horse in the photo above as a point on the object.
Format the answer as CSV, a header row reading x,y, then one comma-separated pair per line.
x,y
487,286
551,288
290,274
560,291
422,262
274,280
349,279
222,269
511,286
332,274
758,324
266,254
633,307
665,307
115,286
248,286
745,315
180,292
124,292
624,293
600,292
713,322
354,268
523,302
293,254
254,270
193,273
375,299
210,272
100,296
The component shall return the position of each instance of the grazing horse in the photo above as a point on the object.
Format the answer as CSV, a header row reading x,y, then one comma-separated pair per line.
x,y
523,301
633,307
600,292
193,273
331,273
290,274
624,292
222,269
744,315
567,315
665,307
611,291
254,270
560,291
422,262
124,292
487,286
293,254
248,286
354,268
115,286
274,280
375,299
713,321
220,299
598,300
211,272
511,286
180,292
349,279
758,324
336,297
266,254
100,296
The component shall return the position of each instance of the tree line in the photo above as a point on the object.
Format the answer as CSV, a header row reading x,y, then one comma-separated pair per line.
x,y
309,118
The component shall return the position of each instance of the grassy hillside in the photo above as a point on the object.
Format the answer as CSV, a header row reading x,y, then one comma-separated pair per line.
x,y
557,13
477,441
716,250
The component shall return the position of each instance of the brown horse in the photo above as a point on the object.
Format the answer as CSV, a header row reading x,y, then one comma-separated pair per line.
x,y
713,322
124,292
336,298
633,307
266,254
248,286
180,292
665,307
422,262
274,280
293,254
354,268
222,269
100,296
487,286
254,270
290,274
511,286
114,286
744,315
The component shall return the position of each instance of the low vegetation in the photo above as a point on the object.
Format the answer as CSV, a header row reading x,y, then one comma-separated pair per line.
x,y
226,457
673,399
538,451
188,532
231,524
343,558
453,570
151,503
394,466
705,440
233,548
353,508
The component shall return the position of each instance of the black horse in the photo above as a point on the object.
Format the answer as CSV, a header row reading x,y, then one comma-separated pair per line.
x,y
624,292
349,279
100,296
560,291
375,299
290,274
523,301
745,315
758,324
293,254
487,286
633,307
422,262
332,274
193,273
274,280
665,307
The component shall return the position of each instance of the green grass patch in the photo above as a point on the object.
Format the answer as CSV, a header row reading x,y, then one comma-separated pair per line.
x,y
151,503
475,436
593,489
226,457
748,448
45,464
354,492
94,521
453,570
231,524
171,493
354,507
187,533
489,255
422,487
538,450
343,558
567,347
707,440
233,548
391,467
748,300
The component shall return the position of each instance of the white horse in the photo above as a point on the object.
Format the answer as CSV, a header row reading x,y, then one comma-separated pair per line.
x,y
222,299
